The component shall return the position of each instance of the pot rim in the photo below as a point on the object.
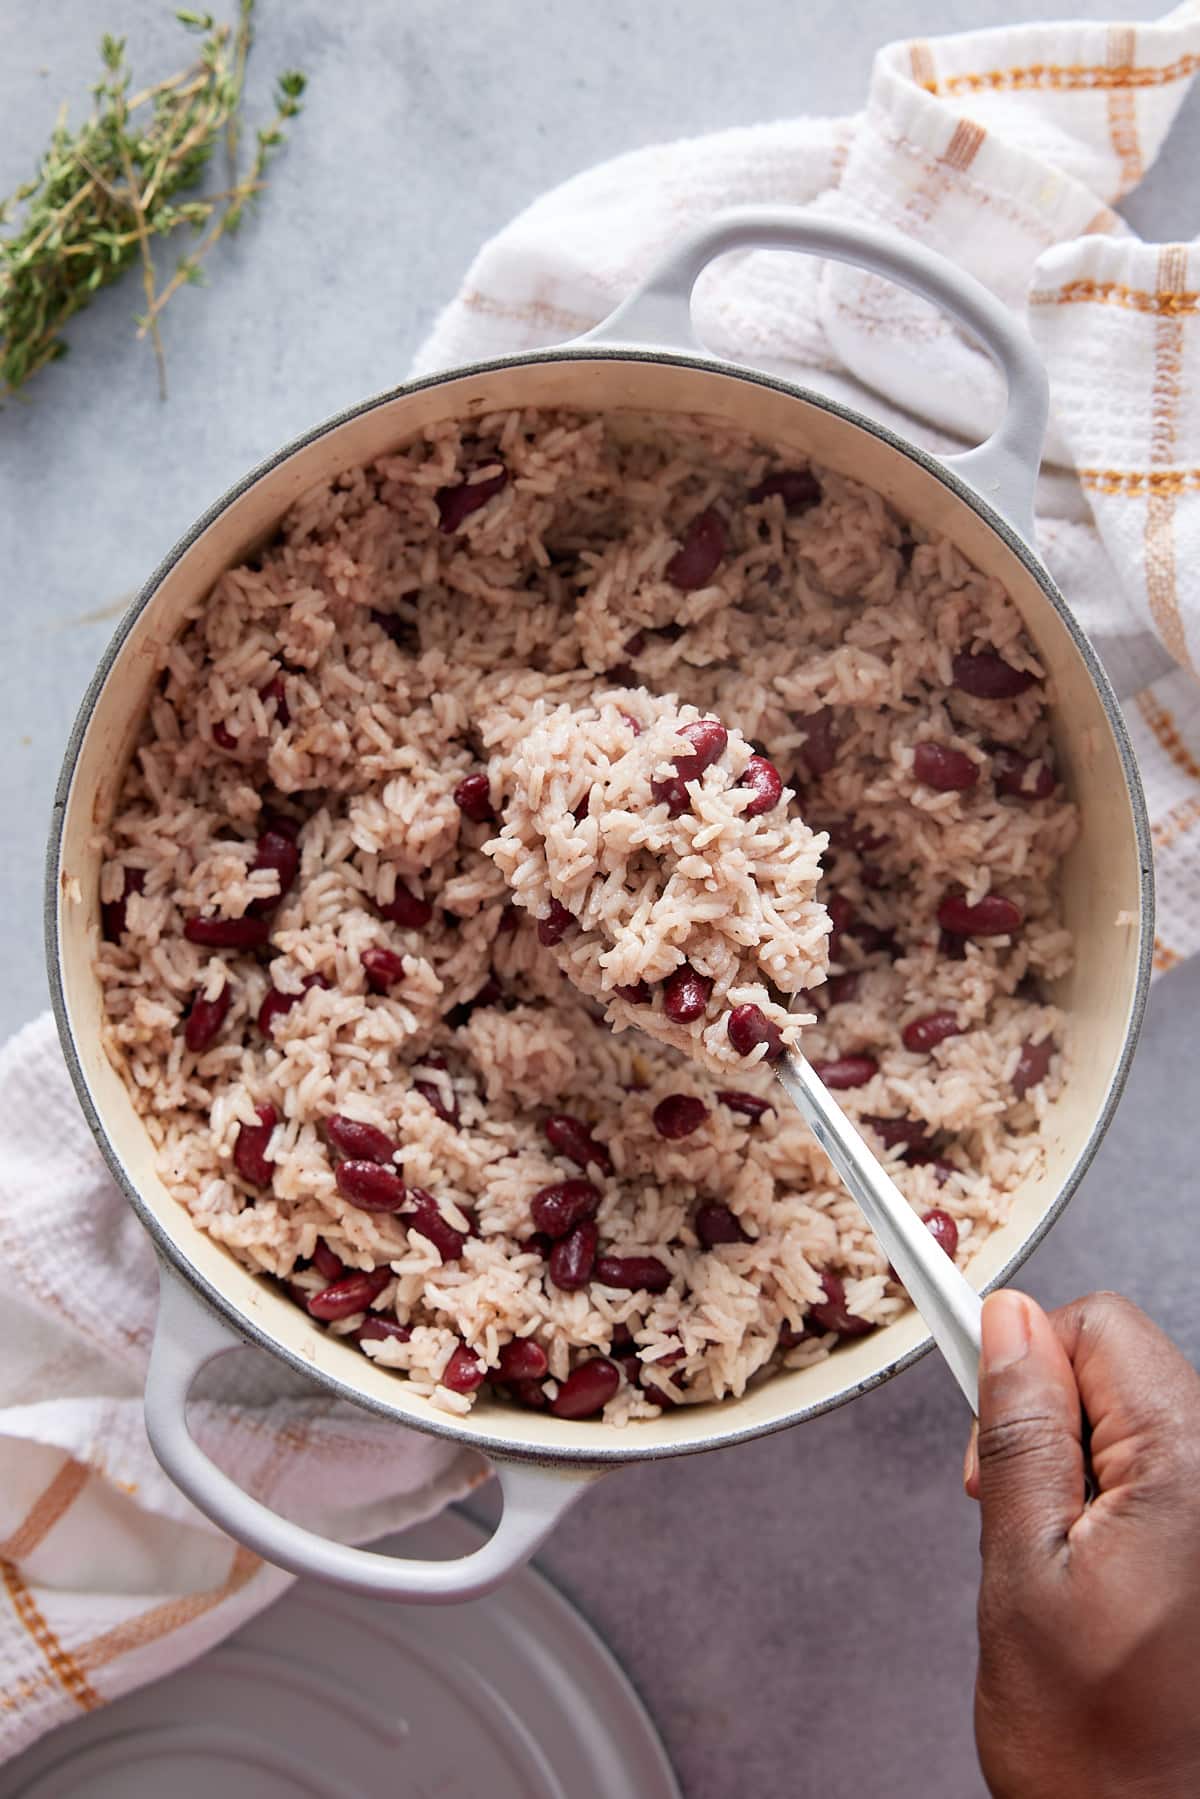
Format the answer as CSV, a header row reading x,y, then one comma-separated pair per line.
x,y
164,1242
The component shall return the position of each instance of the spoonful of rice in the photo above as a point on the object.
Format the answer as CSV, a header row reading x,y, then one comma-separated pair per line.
x,y
677,886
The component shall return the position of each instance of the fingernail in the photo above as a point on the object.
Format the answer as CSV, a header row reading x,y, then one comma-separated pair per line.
x,y
1005,1330
971,1459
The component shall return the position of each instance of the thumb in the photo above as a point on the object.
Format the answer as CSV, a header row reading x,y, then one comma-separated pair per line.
x,y
1031,1464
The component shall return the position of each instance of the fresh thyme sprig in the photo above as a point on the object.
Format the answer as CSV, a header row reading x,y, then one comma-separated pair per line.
x,y
105,193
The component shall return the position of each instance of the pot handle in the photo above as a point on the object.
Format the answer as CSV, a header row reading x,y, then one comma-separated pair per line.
x,y
1003,469
188,1336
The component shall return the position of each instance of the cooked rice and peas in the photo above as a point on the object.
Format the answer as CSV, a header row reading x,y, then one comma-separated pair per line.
x,y
490,834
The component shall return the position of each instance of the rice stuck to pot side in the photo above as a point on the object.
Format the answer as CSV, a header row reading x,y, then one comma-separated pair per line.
x,y
669,871
359,1059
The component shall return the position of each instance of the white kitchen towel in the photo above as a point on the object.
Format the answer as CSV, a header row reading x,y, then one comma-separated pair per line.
x,y
1006,150
111,1578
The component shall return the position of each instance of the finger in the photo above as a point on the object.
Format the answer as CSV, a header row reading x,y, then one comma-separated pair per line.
x,y
1139,1392
1031,1477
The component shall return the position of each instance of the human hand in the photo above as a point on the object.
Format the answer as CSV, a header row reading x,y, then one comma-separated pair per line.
x,y
1089,1613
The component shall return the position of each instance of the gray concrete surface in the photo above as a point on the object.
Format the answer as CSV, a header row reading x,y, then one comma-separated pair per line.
x,y
797,1613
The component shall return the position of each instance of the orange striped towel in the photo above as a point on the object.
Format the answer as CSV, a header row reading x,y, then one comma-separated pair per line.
x,y
109,1576
1007,151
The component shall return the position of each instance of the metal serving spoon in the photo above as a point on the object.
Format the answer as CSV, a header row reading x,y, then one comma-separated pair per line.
x,y
950,1307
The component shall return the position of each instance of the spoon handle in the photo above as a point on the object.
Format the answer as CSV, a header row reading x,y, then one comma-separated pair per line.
x,y
950,1307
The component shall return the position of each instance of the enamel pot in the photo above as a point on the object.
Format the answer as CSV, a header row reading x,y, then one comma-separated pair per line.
x,y
643,358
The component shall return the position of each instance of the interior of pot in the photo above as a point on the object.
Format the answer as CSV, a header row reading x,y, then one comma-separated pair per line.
x,y
1104,890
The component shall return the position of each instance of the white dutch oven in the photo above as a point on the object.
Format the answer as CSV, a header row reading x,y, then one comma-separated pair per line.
x,y
982,502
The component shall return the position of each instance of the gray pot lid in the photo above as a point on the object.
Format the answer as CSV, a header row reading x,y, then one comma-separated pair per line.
x,y
339,1697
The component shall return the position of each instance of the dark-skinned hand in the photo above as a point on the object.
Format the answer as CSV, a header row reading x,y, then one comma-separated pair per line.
x,y
1089,1608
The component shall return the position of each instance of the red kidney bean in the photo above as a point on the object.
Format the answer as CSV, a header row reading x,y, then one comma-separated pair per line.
x,y
250,932
987,676
523,1359
842,988
844,834
327,1263
112,913
699,555
820,743
275,693
791,1338
223,737
407,909
748,1027
798,488
841,918
553,926
717,1224
277,1004
369,1186
456,504
587,1389
1033,1065
382,967
708,738
539,1243
464,1371
400,630
377,1330
250,1147
832,1315
873,939
361,1142
622,1341
633,1274
282,853
922,1034
433,1096
633,646
529,1393
992,916
1010,772
673,792
652,1388
636,995
573,1257
205,1019
280,823
345,1297
943,1230
422,1214
953,948
748,1105
891,1131
763,780
944,769
846,1071
557,1209
570,1137
685,995
509,920
678,1115
923,1155
473,797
